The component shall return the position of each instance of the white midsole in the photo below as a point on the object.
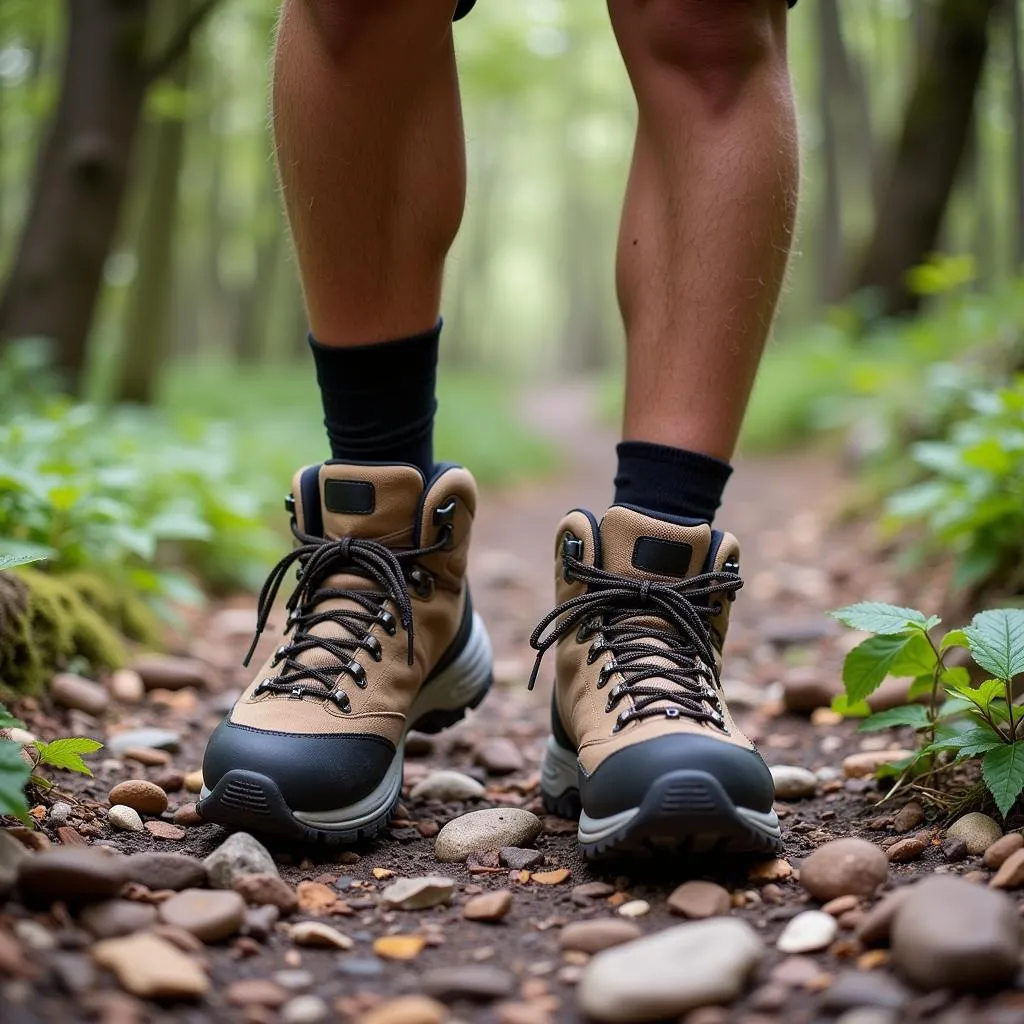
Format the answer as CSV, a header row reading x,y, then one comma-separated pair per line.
x,y
465,679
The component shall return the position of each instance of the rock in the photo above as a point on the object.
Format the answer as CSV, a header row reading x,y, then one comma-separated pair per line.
x,y
187,816
795,631
642,981
954,850
852,989
419,893
315,897
114,918
490,829
239,855
70,691
519,860
35,936
256,992
698,900
977,830
482,982
151,739
1011,873
259,922
170,781
775,870
142,796
841,905
164,672
294,980
793,783
488,906
361,966
634,908
399,947
447,787
12,854
151,968
906,850
263,890
999,852
125,818
867,762
498,756
194,781
869,1015
797,972
874,927
70,874
59,814
407,1010
597,934
951,934
588,891
164,829
908,817
844,867
318,934
75,973
126,686
209,915
166,871
305,1010
808,932
804,691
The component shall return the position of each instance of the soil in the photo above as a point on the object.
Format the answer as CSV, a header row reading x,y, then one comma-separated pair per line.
x,y
799,561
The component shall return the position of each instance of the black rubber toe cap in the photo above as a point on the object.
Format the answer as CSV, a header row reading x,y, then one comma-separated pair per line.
x,y
622,781
313,773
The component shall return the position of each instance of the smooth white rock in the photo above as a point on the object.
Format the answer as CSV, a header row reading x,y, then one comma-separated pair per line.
x,y
793,783
125,818
448,787
807,932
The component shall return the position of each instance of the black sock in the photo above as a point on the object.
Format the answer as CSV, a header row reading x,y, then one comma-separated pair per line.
x,y
379,400
670,480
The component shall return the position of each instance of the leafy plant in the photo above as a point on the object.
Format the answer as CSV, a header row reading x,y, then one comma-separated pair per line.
x,y
16,773
958,721
971,499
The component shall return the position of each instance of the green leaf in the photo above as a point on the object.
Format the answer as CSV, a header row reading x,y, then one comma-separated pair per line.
x,y
842,706
981,696
14,773
954,638
67,753
921,686
1003,771
956,676
917,658
996,640
913,715
867,665
882,619
8,721
896,768
10,561
977,739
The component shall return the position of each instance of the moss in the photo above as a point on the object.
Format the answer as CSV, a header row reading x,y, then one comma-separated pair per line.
x,y
46,621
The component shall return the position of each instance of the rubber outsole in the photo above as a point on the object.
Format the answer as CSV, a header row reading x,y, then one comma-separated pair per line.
x,y
685,813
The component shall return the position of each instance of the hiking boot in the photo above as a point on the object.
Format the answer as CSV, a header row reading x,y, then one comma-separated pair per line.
x,y
643,748
380,638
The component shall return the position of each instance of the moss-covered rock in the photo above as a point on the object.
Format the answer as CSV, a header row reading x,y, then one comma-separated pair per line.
x,y
48,620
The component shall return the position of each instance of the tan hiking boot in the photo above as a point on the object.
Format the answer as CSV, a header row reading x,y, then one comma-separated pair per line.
x,y
380,638
643,748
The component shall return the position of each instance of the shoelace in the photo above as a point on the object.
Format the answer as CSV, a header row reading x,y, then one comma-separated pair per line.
x,y
608,607
319,559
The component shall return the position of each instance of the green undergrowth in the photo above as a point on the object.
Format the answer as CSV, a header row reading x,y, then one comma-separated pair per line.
x,y
277,410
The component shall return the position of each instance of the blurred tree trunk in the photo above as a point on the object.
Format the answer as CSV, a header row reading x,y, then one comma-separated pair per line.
x,y
1017,114
929,153
82,174
254,306
148,321
831,212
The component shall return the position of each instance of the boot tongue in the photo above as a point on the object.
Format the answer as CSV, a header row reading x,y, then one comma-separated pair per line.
x,y
644,546
378,503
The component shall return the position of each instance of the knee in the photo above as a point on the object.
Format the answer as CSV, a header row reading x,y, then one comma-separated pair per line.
x,y
717,46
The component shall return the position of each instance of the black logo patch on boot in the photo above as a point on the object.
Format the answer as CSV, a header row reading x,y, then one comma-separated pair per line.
x,y
350,497
662,557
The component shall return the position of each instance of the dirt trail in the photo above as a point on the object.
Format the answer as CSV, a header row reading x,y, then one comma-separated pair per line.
x,y
780,508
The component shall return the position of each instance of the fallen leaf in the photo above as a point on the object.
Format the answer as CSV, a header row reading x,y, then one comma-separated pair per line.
x,y
556,877
383,873
524,877
399,947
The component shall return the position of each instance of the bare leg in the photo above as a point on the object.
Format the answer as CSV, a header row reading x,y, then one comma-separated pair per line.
x,y
368,130
709,211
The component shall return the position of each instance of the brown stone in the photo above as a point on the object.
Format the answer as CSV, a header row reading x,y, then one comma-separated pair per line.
x,y
909,817
699,900
165,830
70,691
187,816
488,906
151,968
598,933
844,867
1011,874
906,850
867,762
841,905
1000,851
140,795
267,890
165,672
113,918
256,992
147,756
874,928
407,1010
210,915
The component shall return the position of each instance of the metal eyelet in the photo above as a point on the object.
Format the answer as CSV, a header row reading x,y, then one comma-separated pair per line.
x,y
279,654
358,673
597,648
613,697
572,547
373,646
606,670
262,687
444,517
297,693
673,713
422,583
340,701
387,620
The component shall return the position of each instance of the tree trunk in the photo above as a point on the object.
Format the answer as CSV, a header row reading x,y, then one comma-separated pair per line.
x,y
936,127
148,321
831,212
1017,113
80,181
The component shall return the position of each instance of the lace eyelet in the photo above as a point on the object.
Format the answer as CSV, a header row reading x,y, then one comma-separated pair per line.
x,y
613,697
278,655
387,620
261,687
596,650
422,583
673,713
373,646
358,673
341,702
606,671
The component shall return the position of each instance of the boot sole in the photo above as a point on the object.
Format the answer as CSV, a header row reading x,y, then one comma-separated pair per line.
x,y
684,813
245,800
